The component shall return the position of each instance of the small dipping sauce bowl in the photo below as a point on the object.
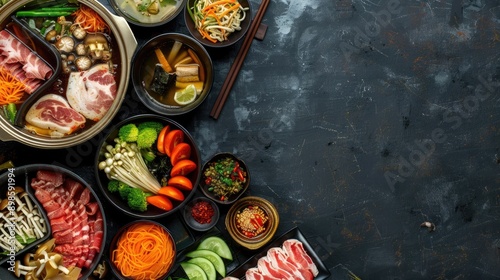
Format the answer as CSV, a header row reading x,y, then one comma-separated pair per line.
x,y
201,214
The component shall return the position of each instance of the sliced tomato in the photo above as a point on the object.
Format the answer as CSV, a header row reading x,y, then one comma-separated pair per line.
x,y
173,138
180,151
172,192
180,182
160,142
183,167
160,201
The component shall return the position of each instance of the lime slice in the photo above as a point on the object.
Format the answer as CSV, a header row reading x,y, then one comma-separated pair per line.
x,y
217,261
206,265
185,96
217,245
193,271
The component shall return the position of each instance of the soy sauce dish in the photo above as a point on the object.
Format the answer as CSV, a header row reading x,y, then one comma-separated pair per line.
x,y
172,74
57,52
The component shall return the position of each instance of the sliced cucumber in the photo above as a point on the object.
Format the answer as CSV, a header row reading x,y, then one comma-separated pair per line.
x,y
193,271
206,265
216,260
218,245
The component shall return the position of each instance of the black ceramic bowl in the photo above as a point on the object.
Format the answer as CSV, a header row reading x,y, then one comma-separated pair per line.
x,y
151,212
207,185
145,60
127,9
45,175
232,38
192,222
133,226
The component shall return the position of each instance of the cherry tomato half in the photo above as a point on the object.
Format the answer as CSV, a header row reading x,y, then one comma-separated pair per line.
x,y
173,138
160,201
183,167
172,192
160,142
180,151
180,182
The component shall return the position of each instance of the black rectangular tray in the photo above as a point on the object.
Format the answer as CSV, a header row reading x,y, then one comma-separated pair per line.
x,y
295,233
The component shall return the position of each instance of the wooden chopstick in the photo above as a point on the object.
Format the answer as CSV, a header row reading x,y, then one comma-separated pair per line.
x,y
238,61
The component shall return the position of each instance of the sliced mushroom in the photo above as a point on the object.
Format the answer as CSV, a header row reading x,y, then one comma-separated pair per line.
x,y
79,33
97,44
81,49
65,44
51,36
83,63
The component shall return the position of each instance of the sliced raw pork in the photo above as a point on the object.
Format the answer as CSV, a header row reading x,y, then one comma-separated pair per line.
x,y
253,273
78,230
22,63
53,112
92,92
298,255
278,258
265,267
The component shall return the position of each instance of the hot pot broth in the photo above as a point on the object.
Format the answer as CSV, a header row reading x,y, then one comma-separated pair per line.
x,y
81,53
185,56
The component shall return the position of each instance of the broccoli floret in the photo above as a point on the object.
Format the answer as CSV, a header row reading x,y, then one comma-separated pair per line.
x,y
128,133
123,190
146,138
156,125
137,199
113,186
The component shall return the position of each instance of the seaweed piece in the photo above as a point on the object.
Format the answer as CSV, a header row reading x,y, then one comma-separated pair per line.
x,y
161,80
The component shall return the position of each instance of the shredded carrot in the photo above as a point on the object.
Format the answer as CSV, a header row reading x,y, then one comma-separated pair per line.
x,y
12,90
144,251
90,20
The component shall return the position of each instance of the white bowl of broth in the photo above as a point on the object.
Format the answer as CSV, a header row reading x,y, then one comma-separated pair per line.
x,y
148,13
181,52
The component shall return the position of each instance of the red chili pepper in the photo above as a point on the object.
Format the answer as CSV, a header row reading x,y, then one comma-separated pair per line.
x,y
240,175
222,198
236,166
208,180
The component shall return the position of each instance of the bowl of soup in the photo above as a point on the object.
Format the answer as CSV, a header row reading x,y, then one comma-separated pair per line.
x,y
148,13
217,24
67,71
172,74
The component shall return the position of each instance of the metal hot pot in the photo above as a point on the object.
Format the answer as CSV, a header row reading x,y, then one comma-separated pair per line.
x,y
125,43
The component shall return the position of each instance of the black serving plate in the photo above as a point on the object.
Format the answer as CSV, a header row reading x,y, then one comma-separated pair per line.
x,y
295,233
23,176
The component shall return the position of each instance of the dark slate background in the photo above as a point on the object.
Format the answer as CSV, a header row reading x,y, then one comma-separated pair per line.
x,y
359,120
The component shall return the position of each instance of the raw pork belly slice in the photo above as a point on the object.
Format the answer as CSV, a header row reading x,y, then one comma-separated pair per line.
x,y
265,267
298,255
53,112
254,274
14,56
92,92
278,258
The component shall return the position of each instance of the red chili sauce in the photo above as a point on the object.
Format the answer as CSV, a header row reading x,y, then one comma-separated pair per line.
x,y
202,212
